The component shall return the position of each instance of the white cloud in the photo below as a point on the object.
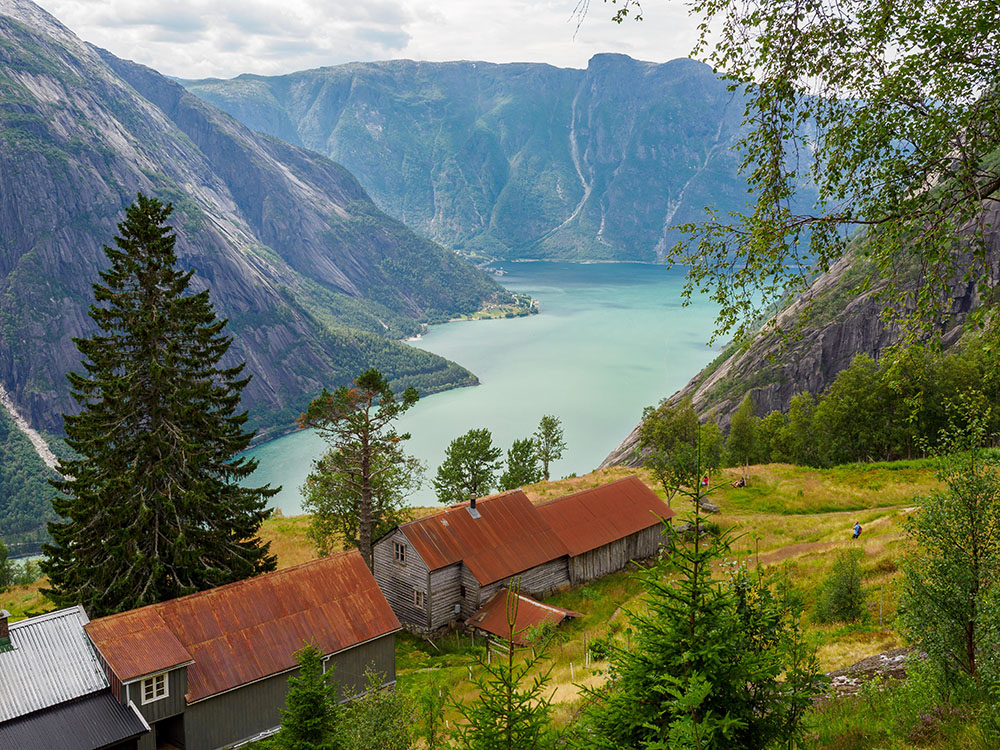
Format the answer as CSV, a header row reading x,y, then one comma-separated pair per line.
x,y
223,38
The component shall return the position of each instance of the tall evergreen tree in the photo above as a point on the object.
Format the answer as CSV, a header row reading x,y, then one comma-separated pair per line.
x,y
512,711
151,506
312,715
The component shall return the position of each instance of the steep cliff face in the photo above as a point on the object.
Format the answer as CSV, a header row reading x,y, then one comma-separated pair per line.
x,y
816,337
516,161
314,279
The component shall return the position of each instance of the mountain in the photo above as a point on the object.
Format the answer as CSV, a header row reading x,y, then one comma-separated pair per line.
x,y
519,160
316,282
814,338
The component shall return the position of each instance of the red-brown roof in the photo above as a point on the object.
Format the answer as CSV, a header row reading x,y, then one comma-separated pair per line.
x,y
492,616
509,537
592,518
250,629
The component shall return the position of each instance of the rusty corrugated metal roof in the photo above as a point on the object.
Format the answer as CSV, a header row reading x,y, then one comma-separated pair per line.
x,y
508,537
492,616
592,518
250,629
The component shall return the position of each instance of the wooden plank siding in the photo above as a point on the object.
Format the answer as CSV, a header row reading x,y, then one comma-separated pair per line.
x,y
172,705
399,580
613,557
446,588
537,581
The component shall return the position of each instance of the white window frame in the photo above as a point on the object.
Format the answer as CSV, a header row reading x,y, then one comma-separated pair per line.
x,y
399,552
155,688
419,599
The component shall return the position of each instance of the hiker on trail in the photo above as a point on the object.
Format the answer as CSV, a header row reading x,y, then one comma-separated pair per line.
x,y
857,530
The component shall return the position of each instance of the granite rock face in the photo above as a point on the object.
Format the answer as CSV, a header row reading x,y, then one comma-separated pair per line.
x,y
316,282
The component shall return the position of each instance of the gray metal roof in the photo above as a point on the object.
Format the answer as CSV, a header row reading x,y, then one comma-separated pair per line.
x,y
52,661
96,721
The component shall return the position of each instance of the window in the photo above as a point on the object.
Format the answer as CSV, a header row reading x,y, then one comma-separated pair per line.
x,y
399,552
418,598
154,688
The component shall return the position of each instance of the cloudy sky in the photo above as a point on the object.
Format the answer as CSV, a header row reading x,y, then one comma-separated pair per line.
x,y
223,38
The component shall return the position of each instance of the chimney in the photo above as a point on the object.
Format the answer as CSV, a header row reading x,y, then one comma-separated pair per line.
x,y
472,507
4,631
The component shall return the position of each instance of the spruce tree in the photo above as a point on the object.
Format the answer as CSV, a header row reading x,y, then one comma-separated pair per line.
x,y
311,716
150,506
512,711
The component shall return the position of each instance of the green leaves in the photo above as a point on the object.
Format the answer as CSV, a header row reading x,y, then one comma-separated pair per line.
x,y
469,468
549,442
891,112
357,489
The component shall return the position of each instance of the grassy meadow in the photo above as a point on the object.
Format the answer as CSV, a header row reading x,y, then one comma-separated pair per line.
x,y
788,518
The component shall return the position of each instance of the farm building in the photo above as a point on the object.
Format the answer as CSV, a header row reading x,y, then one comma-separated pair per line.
x,y
53,692
442,568
492,620
210,669
605,527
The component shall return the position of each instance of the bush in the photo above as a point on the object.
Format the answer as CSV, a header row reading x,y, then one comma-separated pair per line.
x,y
842,598
600,648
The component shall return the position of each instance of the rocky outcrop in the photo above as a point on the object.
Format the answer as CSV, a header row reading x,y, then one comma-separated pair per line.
x,y
317,283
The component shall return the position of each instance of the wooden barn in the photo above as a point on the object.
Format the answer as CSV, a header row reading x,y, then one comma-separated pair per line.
x,y
442,568
210,670
605,527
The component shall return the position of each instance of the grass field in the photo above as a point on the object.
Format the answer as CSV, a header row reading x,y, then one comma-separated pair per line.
x,y
788,518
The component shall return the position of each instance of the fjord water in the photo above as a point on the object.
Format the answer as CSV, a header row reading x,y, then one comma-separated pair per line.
x,y
610,340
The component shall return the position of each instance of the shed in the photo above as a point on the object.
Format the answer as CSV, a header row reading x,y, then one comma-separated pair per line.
x,y
492,617
605,527
53,692
210,669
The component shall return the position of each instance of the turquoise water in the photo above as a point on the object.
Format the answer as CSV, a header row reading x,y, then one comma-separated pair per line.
x,y
610,340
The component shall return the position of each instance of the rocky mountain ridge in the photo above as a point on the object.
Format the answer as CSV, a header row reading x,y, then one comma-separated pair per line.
x,y
316,282
517,160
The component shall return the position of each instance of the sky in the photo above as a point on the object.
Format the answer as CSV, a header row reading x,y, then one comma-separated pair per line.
x,y
223,38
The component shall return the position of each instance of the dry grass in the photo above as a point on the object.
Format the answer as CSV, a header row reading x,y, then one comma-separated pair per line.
x,y
26,601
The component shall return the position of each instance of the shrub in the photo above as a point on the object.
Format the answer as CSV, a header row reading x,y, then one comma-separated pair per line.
x,y
600,648
842,597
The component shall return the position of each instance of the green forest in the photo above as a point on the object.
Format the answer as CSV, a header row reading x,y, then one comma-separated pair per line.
x,y
25,494
895,408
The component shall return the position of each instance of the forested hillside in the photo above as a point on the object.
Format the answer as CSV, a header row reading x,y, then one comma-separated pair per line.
x,y
25,494
817,336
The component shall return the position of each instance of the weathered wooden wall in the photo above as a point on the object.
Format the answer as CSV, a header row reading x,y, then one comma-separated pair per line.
x,y
172,705
537,581
616,555
398,580
446,591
